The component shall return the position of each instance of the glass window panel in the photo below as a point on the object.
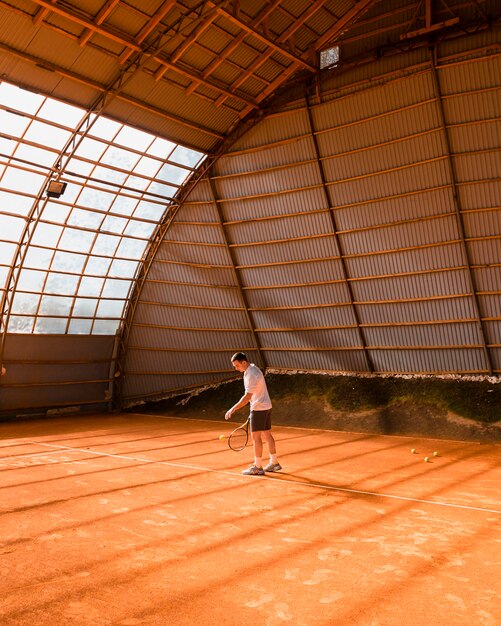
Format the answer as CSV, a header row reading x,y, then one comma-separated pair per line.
x,y
16,203
80,327
106,244
124,205
105,327
110,308
21,180
161,148
118,157
47,135
36,156
31,280
95,199
124,269
131,248
38,258
98,266
185,156
137,183
48,325
54,305
20,99
109,175
6,252
11,228
47,235
61,113
13,125
83,168
63,284
114,288
172,174
25,303
105,128
19,324
84,307
89,285
4,272
134,138
114,224
85,219
90,149
140,229
56,212
68,262
7,147
150,210
148,167
166,191
76,240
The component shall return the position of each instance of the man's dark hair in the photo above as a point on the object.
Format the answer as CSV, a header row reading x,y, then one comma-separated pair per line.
x,y
239,356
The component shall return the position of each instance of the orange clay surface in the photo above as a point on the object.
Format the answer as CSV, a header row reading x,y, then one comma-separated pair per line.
x,y
141,519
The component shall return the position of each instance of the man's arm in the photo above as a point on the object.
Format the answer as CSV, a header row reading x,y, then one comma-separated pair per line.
x,y
242,402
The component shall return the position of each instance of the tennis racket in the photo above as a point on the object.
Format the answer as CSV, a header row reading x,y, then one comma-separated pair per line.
x,y
239,437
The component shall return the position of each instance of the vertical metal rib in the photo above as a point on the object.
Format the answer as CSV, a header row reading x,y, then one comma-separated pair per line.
x,y
262,364
321,170
458,210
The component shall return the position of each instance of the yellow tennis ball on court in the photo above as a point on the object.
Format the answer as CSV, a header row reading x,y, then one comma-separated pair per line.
x,y
426,459
222,437
413,450
435,453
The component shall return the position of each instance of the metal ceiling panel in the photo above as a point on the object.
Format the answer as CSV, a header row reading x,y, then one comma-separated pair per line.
x,y
279,204
299,273
416,311
324,361
423,361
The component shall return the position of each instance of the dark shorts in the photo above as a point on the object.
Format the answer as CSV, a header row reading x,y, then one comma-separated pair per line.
x,y
260,420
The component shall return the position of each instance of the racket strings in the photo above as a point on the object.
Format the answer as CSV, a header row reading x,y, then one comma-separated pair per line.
x,y
238,439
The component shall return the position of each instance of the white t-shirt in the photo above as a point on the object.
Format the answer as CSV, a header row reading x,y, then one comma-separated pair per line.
x,y
254,383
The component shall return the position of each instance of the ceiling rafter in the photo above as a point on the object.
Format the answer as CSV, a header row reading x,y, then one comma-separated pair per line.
x,y
267,41
105,11
149,27
343,23
165,64
261,16
41,14
288,33
191,39
291,30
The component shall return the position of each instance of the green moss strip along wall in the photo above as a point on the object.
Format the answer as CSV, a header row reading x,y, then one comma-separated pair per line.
x,y
452,409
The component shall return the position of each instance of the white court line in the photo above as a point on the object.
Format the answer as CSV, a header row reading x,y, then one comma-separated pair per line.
x,y
278,480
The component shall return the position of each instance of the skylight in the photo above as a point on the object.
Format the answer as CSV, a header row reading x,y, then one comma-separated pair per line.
x,y
85,246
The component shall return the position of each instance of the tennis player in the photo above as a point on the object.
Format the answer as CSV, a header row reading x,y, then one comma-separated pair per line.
x,y
256,393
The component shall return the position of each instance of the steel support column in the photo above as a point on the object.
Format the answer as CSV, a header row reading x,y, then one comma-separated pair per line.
x,y
262,361
344,268
458,210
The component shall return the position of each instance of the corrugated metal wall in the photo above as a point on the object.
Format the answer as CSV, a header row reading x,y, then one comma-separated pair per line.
x,y
56,371
360,232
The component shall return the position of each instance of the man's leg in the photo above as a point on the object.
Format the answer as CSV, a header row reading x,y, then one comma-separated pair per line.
x,y
258,447
270,441
273,465
257,468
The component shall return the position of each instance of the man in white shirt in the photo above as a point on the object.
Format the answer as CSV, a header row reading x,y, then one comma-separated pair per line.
x,y
256,393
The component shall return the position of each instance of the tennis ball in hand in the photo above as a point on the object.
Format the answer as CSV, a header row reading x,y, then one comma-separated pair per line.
x,y
222,437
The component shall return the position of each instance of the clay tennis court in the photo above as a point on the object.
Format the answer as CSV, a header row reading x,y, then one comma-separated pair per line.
x,y
143,519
